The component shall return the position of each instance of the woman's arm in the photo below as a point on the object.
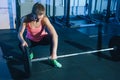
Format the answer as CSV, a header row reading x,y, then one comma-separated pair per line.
x,y
53,34
21,31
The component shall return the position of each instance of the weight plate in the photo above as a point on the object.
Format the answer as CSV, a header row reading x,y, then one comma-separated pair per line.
x,y
27,62
115,43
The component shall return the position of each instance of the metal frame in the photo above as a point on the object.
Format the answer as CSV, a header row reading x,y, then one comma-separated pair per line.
x,y
118,11
101,6
95,5
54,7
108,11
10,10
18,14
89,7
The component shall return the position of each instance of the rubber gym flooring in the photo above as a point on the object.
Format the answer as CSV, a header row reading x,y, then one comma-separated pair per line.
x,y
97,66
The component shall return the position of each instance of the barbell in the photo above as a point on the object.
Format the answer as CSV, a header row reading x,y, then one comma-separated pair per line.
x,y
114,49
74,54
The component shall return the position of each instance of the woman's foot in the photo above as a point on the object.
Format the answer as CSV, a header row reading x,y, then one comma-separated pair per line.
x,y
55,63
31,55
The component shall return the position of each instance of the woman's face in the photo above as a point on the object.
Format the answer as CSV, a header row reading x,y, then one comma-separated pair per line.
x,y
40,16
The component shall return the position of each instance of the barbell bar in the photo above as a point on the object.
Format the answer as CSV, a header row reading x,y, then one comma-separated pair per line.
x,y
88,25
74,54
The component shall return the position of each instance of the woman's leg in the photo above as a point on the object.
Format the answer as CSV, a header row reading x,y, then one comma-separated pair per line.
x,y
48,40
29,42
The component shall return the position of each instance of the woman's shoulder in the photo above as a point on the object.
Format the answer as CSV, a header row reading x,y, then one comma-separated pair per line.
x,y
45,19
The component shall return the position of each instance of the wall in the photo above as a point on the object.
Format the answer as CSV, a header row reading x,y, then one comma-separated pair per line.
x,y
7,14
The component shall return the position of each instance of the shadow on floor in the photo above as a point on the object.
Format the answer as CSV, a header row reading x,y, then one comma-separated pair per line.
x,y
77,45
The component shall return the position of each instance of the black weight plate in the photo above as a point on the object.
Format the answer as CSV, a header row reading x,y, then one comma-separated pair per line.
x,y
27,62
115,43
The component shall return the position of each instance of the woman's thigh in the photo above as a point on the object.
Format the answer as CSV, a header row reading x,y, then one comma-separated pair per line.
x,y
46,40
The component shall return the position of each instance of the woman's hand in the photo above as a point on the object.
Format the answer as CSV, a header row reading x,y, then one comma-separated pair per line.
x,y
23,45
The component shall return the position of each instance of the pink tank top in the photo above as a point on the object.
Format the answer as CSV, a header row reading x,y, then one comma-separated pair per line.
x,y
35,34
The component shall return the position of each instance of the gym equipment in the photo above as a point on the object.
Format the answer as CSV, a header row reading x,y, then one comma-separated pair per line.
x,y
27,62
114,49
87,25
115,42
74,54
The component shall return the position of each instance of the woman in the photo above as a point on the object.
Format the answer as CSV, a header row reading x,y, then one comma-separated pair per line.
x,y
35,23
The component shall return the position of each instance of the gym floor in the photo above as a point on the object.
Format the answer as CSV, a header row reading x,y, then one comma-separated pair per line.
x,y
96,66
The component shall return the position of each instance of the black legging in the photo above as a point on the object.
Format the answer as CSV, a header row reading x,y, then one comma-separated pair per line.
x,y
46,40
